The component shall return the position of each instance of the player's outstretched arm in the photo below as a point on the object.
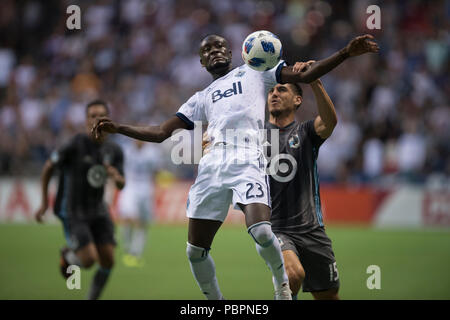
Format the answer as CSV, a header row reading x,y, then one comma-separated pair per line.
x,y
356,47
148,133
45,179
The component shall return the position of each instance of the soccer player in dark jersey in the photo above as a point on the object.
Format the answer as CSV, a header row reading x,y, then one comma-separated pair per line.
x,y
84,166
296,211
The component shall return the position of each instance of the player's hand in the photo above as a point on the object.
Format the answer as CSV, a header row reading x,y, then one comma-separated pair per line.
x,y
112,172
103,125
302,66
40,213
361,45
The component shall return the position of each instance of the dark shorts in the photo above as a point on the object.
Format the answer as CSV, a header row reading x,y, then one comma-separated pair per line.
x,y
80,232
316,256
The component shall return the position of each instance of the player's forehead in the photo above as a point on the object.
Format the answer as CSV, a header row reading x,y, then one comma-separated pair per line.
x,y
213,39
280,86
96,109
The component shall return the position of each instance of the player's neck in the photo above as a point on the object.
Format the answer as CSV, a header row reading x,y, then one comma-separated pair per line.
x,y
282,121
220,72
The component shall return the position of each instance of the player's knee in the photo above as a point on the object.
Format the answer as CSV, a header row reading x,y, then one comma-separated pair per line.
x,y
330,294
262,233
196,254
88,261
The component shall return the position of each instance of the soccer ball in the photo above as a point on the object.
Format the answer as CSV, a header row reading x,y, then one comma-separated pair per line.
x,y
261,50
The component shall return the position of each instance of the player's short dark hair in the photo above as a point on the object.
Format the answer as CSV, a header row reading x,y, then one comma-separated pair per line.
x,y
298,90
96,102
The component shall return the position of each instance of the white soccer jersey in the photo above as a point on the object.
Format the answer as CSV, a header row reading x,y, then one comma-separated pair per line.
x,y
235,102
140,166
233,106
136,199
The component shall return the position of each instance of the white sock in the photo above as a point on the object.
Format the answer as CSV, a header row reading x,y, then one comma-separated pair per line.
x,y
269,249
127,232
72,258
204,271
139,238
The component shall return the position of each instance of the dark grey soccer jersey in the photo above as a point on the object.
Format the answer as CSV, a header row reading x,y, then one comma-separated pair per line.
x,y
296,203
82,176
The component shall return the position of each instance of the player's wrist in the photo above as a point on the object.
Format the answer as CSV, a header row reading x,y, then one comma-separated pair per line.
x,y
120,128
344,53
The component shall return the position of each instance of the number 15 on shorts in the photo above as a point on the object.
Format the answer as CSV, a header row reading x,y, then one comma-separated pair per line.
x,y
334,274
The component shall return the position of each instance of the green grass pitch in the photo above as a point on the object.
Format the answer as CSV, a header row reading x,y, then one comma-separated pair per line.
x,y
414,265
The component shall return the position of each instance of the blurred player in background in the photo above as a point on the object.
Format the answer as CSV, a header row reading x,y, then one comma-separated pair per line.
x,y
296,211
235,100
142,160
84,166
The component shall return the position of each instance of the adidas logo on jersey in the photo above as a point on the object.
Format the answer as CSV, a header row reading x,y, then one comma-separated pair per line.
x,y
217,95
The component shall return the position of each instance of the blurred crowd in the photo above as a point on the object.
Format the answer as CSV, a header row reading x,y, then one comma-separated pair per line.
x,y
142,57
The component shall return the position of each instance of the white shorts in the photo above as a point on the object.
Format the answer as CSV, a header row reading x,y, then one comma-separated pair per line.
x,y
224,179
135,204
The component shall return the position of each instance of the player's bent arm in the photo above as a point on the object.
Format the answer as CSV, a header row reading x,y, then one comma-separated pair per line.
x,y
326,121
45,179
148,133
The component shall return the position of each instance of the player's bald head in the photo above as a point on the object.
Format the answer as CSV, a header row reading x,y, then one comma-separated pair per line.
x,y
211,38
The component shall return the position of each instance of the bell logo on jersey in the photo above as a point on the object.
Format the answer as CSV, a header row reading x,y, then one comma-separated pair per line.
x,y
217,95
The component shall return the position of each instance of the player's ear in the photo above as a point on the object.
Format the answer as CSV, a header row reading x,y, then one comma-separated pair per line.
x,y
201,62
298,101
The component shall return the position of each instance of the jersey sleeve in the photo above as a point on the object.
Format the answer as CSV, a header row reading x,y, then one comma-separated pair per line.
x,y
316,140
192,110
273,76
64,154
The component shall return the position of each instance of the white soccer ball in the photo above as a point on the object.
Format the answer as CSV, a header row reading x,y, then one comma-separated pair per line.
x,y
261,50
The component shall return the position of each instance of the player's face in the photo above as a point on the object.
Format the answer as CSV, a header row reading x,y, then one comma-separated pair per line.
x,y
95,111
282,100
215,53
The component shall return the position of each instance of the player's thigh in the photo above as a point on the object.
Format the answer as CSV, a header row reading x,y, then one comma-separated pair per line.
x,y
251,194
102,229
201,232
208,201
81,241
317,256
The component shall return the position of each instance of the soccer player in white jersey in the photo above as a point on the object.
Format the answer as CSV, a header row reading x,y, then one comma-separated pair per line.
x,y
234,100
142,161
